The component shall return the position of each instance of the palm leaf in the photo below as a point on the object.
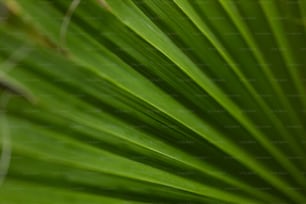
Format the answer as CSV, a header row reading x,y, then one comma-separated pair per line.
x,y
153,101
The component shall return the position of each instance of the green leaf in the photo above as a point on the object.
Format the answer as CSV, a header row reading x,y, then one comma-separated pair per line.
x,y
153,101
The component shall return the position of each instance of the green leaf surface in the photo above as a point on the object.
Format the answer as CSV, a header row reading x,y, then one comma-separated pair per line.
x,y
153,101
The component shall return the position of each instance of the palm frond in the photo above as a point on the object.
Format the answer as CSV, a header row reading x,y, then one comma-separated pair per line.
x,y
159,101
